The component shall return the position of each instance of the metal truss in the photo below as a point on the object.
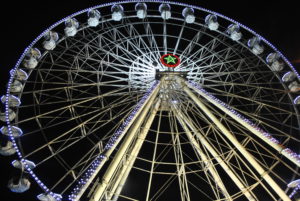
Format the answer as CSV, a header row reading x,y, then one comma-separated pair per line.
x,y
225,127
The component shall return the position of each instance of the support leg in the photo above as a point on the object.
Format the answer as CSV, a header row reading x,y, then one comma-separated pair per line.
x,y
204,158
267,138
122,177
100,190
185,124
81,188
237,144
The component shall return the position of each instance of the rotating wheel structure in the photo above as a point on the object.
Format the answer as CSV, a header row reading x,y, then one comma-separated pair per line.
x,y
152,100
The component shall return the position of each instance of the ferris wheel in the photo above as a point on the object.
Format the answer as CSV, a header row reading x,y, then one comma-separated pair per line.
x,y
153,100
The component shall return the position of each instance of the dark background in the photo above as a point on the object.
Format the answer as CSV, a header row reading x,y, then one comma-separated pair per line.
x,y
22,22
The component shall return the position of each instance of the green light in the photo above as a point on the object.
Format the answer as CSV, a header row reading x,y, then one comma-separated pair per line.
x,y
170,59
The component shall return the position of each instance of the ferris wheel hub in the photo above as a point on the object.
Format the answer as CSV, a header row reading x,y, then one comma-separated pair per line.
x,y
170,60
160,74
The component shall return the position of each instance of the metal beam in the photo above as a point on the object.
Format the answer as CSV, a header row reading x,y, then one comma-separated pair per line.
x,y
202,155
263,173
100,190
153,157
247,124
144,108
183,119
180,165
131,157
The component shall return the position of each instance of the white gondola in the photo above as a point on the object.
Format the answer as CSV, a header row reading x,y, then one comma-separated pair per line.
x,y
294,86
31,58
141,10
11,115
71,27
19,74
212,22
93,18
20,186
277,66
50,41
297,100
117,12
16,132
30,63
8,149
165,11
21,165
272,57
188,14
289,76
273,60
48,197
16,86
234,32
254,44
13,101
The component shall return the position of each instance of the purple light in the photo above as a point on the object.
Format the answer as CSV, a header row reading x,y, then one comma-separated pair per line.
x,y
294,191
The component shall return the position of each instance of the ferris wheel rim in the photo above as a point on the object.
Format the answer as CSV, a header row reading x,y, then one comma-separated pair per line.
x,y
109,4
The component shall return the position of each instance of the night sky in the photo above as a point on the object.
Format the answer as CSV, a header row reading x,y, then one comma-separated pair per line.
x,y
277,21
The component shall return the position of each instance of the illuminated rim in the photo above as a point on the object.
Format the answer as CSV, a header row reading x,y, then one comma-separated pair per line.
x,y
163,61
39,182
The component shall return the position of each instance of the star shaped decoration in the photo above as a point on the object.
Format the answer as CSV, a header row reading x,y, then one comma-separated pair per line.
x,y
170,59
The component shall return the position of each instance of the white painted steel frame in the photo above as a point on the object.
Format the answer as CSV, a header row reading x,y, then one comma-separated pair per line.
x,y
263,173
128,54
100,189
